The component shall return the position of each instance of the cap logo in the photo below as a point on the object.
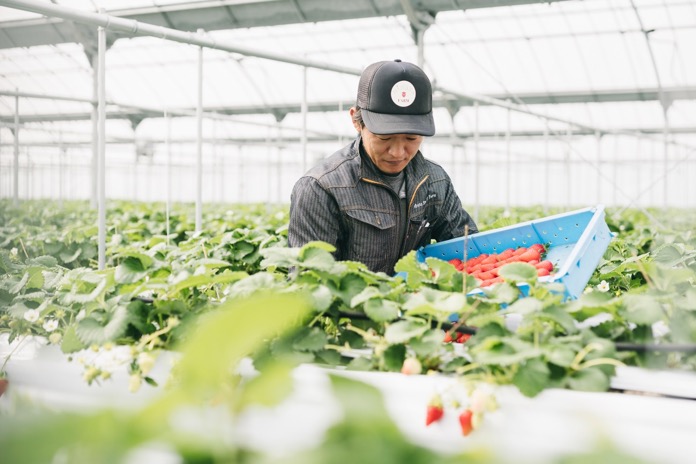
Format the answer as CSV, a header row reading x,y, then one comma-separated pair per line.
x,y
403,93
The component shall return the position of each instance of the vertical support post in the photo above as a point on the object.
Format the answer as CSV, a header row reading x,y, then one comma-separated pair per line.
x,y
15,166
304,119
508,163
240,174
279,151
199,142
547,168
598,139
567,173
95,137
477,163
101,144
453,152
615,171
61,174
168,151
665,166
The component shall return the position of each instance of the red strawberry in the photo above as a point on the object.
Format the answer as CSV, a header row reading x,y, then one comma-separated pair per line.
x,y
465,421
519,251
546,264
542,271
462,337
488,267
538,247
434,412
529,255
506,254
448,337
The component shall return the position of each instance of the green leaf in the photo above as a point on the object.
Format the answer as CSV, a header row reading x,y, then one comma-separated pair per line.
x,y
20,285
113,326
589,379
531,377
129,271
74,297
36,278
144,261
310,339
394,357
232,332
349,287
321,298
247,286
560,355
560,317
365,295
444,272
280,257
203,280
518,272
273,385
68,258
668,255
428,343
71,342
360,363
404,330
642,309
504,351
317,257
380,310
209,263
437,303
416,272
525,306
45,261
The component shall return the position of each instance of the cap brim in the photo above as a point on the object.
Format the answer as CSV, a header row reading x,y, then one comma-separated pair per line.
x,y
385,124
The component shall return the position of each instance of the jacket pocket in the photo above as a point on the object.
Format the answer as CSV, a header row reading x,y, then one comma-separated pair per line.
x,y
373,238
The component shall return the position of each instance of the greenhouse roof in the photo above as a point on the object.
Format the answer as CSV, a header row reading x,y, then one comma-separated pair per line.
x,y
607,65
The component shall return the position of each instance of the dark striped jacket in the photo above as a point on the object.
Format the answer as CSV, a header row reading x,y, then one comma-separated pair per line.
x,y
342,201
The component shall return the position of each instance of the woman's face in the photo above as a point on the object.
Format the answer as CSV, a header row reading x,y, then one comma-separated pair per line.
x,y
390,153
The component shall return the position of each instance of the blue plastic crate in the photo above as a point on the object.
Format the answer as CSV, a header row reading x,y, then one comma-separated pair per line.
x,y
575,241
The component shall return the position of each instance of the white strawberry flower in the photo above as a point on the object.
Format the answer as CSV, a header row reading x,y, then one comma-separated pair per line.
x,y
50,325
603,286
32,315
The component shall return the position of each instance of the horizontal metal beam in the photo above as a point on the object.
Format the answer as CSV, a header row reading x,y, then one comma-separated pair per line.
x,y
459,139
231,14
527,98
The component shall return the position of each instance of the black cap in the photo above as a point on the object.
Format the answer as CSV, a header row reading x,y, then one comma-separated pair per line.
x,y
396,98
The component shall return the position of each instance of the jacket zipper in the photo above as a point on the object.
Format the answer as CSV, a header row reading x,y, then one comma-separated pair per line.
x,y
408,210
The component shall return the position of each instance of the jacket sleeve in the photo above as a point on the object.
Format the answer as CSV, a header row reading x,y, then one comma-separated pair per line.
x,y
453,218
314,214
